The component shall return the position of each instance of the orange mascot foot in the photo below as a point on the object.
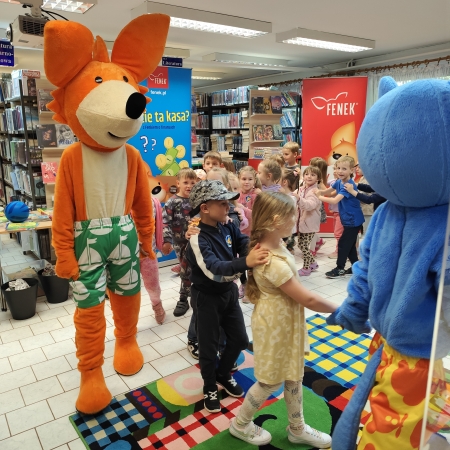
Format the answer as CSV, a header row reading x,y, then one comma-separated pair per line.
x,y
128,358
90,326
94,395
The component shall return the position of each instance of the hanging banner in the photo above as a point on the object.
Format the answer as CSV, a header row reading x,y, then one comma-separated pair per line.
x,y
333,111
164,139
6,53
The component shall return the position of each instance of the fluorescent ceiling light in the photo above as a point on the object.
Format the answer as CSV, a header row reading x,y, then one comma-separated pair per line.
x,y
207,75
195,19
246,60
319,39
61,5
168,51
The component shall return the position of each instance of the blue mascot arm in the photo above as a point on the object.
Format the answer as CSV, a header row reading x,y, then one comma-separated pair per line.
x,y
354,312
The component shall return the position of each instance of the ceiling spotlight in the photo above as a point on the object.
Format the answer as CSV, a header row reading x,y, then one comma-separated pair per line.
x,y
245,60
320,39
195,19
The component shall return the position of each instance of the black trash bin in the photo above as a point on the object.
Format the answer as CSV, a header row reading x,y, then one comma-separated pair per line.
x,y
22,304
56,289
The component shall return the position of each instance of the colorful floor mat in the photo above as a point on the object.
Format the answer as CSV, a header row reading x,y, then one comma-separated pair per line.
x,y
169,414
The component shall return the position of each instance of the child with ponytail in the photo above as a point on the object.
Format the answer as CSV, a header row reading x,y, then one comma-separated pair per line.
x,y
289,186
278,326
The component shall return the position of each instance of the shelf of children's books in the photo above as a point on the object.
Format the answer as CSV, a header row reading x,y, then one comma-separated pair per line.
x,y
266,142
236,105
266,116
235,128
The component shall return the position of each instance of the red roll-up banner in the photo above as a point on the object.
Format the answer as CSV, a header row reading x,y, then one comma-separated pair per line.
x,y
333,111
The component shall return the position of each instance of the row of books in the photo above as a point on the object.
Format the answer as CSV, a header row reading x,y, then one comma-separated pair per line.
x,y
288,119
267,105
44,98
202,121
267,132
201,100
231,96
287,99
11,119
288,136
218,143
203,143
239,144
265,152
193,103
232,120
16,152
21,181
59,135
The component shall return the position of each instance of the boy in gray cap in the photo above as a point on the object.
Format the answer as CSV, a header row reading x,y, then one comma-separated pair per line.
x,y
212,256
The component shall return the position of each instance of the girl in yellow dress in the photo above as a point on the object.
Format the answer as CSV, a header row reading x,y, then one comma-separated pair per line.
x,y
278,325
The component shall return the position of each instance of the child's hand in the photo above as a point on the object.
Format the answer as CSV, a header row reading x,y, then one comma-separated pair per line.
x,y
317,192
167,248
257,191
257,256
141,249
191,231
349,188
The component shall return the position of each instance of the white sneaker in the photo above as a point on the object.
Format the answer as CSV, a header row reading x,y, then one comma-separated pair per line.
x,y
251,433
310,436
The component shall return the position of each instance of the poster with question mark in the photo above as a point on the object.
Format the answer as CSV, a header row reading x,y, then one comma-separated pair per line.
x,y
164,139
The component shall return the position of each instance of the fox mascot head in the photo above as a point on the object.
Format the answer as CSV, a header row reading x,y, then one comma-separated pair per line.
x,y
101,99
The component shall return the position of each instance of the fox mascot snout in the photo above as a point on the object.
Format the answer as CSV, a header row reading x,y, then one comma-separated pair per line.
x,y
103,216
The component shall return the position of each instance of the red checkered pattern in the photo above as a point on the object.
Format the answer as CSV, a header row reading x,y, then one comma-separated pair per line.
x,y
193,429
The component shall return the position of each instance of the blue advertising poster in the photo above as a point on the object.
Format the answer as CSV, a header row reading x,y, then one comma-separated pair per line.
x,y
6,53
164,139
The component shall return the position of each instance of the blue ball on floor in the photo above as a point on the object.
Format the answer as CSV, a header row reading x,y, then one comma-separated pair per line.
x,y
17,212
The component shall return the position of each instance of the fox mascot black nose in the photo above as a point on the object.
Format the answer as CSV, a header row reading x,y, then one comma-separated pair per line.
x,y
136,104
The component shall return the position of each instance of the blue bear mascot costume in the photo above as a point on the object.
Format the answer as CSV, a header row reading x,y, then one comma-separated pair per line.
x,y
404,151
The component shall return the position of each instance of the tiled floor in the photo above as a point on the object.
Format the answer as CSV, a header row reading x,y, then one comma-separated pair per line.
x,y
38,376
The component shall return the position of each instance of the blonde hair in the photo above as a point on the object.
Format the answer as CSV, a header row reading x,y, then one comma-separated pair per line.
x,y
253,173
188,173
270,210
278,159
232,176
322,165
223,173
291,177
348,159
292,146
212,155
271,167
316,170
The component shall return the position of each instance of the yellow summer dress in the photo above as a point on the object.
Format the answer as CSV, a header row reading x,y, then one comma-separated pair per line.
x,y
278,323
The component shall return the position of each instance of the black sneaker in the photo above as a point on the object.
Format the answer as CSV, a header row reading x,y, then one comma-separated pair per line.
x,y
193,348
181,308
230,385
335,273
211,396
349,271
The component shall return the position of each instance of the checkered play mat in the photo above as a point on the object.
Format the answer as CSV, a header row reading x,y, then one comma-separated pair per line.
x,y
169,413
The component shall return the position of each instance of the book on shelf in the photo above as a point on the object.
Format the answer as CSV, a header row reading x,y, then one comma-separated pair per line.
x,y
49,170
45,97
193,136
277,132
64,135
202,121
258,132
267,105
276,105
265,152
6,90
230,96
28,78
258,105
287,99
46,135
193,103
268,133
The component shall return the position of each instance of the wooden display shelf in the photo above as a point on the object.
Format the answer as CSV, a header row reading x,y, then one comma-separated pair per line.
x,y
266,142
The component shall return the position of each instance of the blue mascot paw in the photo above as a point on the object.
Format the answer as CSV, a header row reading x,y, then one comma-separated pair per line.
x,y
357,327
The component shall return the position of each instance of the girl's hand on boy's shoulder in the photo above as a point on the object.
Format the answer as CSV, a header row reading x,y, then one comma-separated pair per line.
x,y
191,231
317,192
257,191
257,256
349,188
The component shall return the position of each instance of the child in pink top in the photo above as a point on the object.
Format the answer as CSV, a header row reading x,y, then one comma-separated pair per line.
x,y
309,220
249,191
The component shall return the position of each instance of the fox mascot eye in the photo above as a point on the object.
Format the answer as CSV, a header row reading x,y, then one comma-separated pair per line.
x,y
125,79
98,79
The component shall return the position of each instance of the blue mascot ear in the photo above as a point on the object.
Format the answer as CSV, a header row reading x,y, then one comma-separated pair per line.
x,y
386,85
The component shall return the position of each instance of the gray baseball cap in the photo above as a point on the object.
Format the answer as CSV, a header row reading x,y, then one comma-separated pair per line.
x,y
207,190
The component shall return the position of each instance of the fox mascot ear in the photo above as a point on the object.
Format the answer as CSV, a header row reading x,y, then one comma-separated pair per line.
x,y
140,45
68,48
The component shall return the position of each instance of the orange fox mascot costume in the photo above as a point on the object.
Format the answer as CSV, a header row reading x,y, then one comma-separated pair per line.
x,y
101,182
